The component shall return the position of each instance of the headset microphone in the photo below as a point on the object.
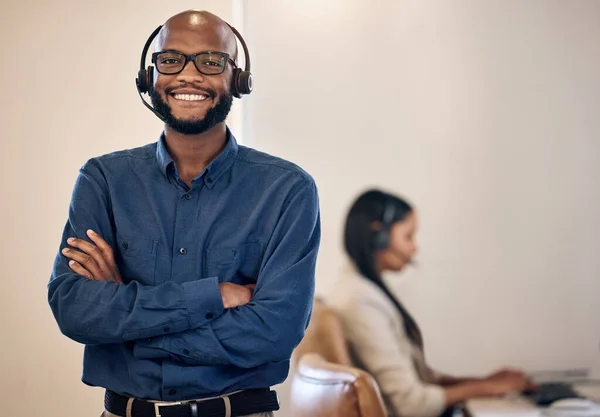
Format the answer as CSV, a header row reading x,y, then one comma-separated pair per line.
x,y
408,260
152,109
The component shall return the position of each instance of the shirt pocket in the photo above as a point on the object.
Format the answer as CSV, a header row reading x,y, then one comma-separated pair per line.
x,y
238,264
137,257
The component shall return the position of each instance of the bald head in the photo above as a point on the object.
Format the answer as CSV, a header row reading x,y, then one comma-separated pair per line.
x,y
195,29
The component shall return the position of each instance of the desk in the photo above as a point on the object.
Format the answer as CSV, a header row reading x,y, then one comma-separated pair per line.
x,y
516,406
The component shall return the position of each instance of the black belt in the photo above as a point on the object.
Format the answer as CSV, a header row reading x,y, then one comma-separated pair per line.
x,y
242,404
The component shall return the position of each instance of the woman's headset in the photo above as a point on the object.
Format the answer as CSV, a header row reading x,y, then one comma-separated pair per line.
x,y
241,81
381,239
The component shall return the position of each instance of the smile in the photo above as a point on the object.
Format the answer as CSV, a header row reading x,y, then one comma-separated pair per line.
x,y
190,97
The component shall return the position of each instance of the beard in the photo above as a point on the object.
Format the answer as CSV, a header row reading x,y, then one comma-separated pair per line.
x,y
213,117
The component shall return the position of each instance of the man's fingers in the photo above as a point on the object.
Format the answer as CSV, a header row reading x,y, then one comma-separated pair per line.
x,y
96,258
104,247
85,260
80,270
90,249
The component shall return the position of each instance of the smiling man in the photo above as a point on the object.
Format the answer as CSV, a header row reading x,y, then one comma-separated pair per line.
x,y
187,266
189,107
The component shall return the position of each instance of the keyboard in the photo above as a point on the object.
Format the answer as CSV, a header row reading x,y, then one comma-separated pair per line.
x,y
549,392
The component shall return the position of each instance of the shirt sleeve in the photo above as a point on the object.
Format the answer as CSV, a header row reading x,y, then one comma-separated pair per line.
x,y
271,325
389,359
441,377
99,312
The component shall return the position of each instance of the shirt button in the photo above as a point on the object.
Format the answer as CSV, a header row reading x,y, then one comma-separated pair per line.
x,y
124,245
167,329
172,392
188,197
209,180
186,352
209,315
183,251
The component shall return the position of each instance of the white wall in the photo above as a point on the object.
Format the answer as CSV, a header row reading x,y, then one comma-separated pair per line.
x,y
483,113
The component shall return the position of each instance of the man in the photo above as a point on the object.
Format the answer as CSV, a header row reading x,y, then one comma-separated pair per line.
x,y
187,265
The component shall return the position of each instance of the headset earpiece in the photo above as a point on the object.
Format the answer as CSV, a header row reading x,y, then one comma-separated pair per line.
x,y
139,84
144,80
381,239
149,79
241,82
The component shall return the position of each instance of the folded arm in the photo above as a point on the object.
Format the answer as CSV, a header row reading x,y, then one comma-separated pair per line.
x,y
270,326
97,312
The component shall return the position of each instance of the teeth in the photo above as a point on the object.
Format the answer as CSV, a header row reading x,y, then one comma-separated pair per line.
x,y
190,97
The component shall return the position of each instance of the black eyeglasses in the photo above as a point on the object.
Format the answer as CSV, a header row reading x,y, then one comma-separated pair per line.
x,y
207,63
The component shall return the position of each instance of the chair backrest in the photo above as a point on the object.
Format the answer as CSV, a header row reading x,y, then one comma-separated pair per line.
x,y
324,336
324,389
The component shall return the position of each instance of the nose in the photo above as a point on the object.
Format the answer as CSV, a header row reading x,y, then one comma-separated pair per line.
x,y
190,74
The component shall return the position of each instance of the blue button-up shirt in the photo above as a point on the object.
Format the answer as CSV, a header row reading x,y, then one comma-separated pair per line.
x,y
164,333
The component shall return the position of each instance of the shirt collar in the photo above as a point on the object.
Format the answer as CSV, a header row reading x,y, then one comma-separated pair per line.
x,y
213,171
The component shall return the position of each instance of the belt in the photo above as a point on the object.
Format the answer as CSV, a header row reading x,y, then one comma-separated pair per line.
x,y
242,403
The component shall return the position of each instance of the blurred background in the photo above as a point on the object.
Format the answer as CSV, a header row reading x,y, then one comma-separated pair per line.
x,y
483,113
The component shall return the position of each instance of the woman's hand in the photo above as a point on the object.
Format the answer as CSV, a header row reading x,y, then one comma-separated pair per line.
x,y
505,381
505,372
499,383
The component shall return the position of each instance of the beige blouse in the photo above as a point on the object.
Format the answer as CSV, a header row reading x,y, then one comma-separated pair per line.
x,y
379,345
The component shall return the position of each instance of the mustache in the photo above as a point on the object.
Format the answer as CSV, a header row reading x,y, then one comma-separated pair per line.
x,y
208,91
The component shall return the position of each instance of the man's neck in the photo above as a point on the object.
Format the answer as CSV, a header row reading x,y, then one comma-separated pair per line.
x,y
192,153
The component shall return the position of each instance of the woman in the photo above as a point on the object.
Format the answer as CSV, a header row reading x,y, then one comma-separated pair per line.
x,y
385,339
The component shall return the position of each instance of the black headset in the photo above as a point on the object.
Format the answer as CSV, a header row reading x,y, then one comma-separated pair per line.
x,y
241,81
381,239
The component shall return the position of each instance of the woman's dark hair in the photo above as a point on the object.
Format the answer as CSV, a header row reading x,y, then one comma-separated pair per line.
x,y
359,241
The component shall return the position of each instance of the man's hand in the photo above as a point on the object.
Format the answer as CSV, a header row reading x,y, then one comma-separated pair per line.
x,y
235,295
95,262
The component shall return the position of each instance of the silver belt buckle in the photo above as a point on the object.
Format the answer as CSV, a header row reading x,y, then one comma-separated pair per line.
x,y
163,404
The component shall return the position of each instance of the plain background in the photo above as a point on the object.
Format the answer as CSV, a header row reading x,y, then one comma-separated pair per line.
x,y
483,113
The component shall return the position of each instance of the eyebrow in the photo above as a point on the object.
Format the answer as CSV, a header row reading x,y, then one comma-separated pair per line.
x,y
201,52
